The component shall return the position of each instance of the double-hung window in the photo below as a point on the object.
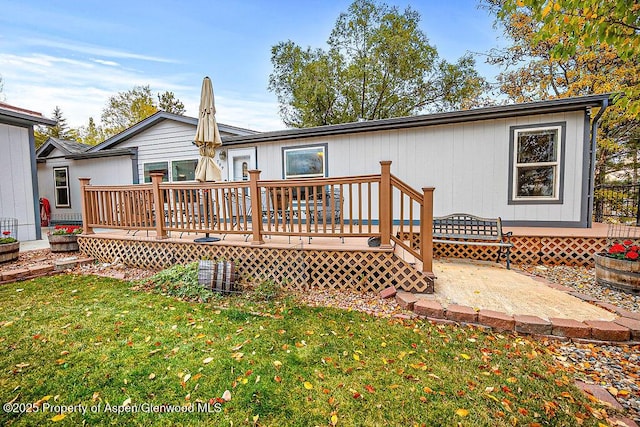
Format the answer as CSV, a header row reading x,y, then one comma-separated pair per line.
x,y
61,182
536,164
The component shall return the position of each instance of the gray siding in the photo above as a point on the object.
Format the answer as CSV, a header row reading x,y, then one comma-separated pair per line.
x,y
467,163
16,183
168,140
102,171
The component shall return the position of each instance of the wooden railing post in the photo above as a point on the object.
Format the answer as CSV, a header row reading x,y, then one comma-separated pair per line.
x,y
426,229
256,210
385,209
158,203
87,214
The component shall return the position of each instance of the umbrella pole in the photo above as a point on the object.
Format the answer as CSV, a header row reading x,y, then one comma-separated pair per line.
x,y
206,238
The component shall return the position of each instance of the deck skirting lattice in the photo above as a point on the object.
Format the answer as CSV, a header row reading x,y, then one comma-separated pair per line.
x,y
547,250
293,268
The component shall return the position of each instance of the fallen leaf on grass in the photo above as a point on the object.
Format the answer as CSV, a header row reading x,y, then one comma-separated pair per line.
x,y
126,402
207,360
334,419
462,412
58,417
308,385
226,396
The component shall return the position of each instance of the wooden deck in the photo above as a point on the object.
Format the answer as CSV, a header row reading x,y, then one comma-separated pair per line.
x,y
325,262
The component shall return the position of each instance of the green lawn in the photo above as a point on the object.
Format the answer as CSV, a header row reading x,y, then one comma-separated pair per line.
x,y
83,340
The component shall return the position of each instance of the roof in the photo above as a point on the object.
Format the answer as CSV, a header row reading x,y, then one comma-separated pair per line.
x,y
502,111
157,118
22,116
66,146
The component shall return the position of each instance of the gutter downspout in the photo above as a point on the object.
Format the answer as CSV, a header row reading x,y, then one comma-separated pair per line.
x,y
592,168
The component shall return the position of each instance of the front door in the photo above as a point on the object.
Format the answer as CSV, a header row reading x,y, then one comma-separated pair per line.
x,y
239,162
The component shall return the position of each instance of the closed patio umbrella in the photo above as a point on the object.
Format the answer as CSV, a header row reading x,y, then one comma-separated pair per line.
x,y
207,136
208,139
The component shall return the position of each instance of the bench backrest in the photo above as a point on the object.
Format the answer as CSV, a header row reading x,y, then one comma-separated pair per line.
x,y
467,226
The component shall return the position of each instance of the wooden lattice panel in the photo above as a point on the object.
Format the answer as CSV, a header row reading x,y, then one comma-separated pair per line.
x,y
571,250
577,251
526,250
293,268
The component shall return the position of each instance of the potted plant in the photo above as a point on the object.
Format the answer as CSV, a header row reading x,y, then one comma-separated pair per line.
x,y
9,247
619,266
64,238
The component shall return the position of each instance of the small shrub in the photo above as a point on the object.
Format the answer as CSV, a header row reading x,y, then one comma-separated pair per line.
x,y
181,281
5,240
266,290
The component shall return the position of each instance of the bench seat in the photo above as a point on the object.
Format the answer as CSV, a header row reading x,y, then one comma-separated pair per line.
x,y
471,230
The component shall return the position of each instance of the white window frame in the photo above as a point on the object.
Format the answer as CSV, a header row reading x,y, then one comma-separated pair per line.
x,y
57,187
557,165
321,147
157,161
172,178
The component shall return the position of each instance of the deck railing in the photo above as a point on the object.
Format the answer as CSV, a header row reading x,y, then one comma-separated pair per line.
x,y
340,207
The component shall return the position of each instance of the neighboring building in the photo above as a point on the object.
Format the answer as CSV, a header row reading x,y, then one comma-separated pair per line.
x,y
162,142
18,181
531,164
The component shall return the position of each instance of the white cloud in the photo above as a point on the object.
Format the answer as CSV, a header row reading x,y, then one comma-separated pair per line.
x,y
81,89
92,49
109,63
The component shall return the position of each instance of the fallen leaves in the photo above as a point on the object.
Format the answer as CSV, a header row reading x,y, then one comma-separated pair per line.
x,y
462,412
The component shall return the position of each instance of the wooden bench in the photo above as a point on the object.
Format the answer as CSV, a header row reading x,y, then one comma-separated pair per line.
x,y
465,229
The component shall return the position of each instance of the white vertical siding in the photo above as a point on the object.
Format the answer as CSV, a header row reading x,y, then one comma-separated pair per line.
x,y
102,171
16,183
467,163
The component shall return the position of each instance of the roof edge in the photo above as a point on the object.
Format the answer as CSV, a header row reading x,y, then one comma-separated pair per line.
x,y
486,113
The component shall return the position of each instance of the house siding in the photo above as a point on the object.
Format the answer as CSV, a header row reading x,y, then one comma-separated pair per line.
x,y
16,183
102,171
467,163
166,141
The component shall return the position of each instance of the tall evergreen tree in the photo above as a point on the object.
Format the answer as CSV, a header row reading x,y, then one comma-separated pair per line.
x,y
168,102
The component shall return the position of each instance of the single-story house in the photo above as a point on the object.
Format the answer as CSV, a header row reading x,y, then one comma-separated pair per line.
x,y
162,142
531,164
19,196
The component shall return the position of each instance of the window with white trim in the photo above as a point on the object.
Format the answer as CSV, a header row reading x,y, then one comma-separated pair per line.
x,y
149,168
536,164
305,162
61,184
183,170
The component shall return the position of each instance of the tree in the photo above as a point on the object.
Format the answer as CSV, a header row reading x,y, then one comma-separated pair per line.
x,y
125,109
168,102
533,70
61,130
379,64
91,134
602,24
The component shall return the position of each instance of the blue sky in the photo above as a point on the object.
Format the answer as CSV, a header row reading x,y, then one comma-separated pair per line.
x,y
75,54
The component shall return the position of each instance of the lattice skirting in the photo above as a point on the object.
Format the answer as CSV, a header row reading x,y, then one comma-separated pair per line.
x,y
293,268
575,251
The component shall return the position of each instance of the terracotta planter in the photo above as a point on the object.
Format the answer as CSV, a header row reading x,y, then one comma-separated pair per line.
x,y
9,251
618,273
63,242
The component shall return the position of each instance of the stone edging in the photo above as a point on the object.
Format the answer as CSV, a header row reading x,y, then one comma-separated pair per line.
x,y
624,329
33,272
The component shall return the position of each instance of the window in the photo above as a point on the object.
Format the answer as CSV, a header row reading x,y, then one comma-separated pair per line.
x,y
183,170
536,159
61,183
149,168
305,162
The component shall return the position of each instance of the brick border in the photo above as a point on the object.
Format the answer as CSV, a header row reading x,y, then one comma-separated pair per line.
x,y
621,330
